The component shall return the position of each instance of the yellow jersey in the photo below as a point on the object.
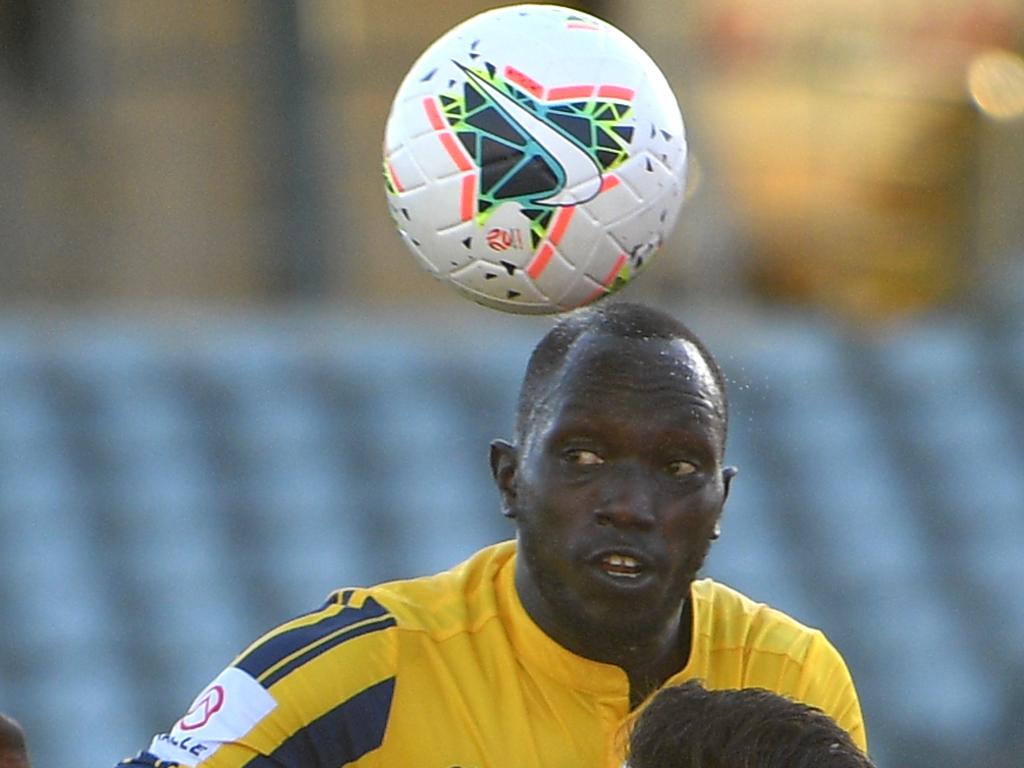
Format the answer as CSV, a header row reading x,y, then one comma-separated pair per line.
x,y
449,671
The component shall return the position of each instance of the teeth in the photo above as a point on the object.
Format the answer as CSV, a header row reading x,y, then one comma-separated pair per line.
x,y
623,560
622,566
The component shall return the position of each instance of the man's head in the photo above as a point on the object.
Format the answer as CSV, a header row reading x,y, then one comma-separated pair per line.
x,y
13,750
621,320
616,483
687,726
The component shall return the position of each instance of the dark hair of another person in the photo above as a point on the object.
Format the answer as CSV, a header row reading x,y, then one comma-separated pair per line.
x,y
688,726
620,320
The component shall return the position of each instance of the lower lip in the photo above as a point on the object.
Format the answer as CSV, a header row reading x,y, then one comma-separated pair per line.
x,y
640,580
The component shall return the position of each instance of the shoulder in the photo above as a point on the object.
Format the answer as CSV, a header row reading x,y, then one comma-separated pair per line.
x,y
747,644
729,619
331,670
344,617
360,621
287,692
456,601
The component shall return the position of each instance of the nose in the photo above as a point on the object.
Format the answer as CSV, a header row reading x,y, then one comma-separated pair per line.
x,y
628,499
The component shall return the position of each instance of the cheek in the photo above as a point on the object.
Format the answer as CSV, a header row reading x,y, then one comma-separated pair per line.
x,y
545,504
692,530
695,516
550,487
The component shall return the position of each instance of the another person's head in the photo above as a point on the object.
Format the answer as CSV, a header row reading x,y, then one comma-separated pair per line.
x,y
616,481
688,726
13,749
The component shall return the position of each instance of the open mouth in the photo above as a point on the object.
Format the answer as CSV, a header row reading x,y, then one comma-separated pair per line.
x,y
621,566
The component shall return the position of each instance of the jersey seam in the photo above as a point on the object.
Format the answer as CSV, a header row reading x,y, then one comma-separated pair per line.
x,y
449,634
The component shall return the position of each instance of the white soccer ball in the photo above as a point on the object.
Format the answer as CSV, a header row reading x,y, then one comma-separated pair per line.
x,y
534,158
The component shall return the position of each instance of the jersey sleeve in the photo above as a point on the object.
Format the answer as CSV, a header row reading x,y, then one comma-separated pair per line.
x,y
826,683
315,692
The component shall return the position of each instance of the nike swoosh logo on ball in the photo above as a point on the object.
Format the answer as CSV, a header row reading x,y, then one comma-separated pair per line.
x,y
581,173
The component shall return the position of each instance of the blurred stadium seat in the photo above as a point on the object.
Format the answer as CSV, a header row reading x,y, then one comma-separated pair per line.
x,y
173,494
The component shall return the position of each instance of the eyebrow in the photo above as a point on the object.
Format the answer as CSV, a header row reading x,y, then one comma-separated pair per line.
x,y
580,420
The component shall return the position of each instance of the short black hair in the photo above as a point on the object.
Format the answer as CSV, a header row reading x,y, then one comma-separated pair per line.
x,y
689,726
622,320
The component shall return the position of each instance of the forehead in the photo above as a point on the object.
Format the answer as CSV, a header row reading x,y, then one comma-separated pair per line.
x,y
666,377
601,362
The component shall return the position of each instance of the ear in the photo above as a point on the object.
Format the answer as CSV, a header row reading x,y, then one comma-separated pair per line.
x,y
503,468
728,473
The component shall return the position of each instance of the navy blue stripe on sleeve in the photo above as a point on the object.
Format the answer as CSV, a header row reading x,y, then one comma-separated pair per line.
x,y
147,759
320,648
340,736
267,654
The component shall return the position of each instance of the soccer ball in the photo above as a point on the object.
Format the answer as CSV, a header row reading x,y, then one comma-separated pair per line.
x,y
534,158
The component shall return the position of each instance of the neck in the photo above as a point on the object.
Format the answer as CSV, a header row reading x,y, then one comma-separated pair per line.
x,y
661,662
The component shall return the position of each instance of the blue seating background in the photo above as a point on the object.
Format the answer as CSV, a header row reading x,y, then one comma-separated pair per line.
x,y
170,487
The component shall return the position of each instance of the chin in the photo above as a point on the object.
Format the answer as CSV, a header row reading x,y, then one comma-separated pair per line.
x,y
631,616
631,630
611,638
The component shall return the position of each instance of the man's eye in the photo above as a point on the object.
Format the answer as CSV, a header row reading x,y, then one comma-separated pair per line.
x,y
582,457
681,468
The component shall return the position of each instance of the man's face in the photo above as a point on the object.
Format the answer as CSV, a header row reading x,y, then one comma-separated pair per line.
x,y
617,487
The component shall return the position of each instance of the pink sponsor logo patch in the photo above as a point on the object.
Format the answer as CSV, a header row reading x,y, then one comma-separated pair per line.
x,y
206,706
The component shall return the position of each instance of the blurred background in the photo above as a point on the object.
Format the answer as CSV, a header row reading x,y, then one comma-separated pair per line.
x,y
226,388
